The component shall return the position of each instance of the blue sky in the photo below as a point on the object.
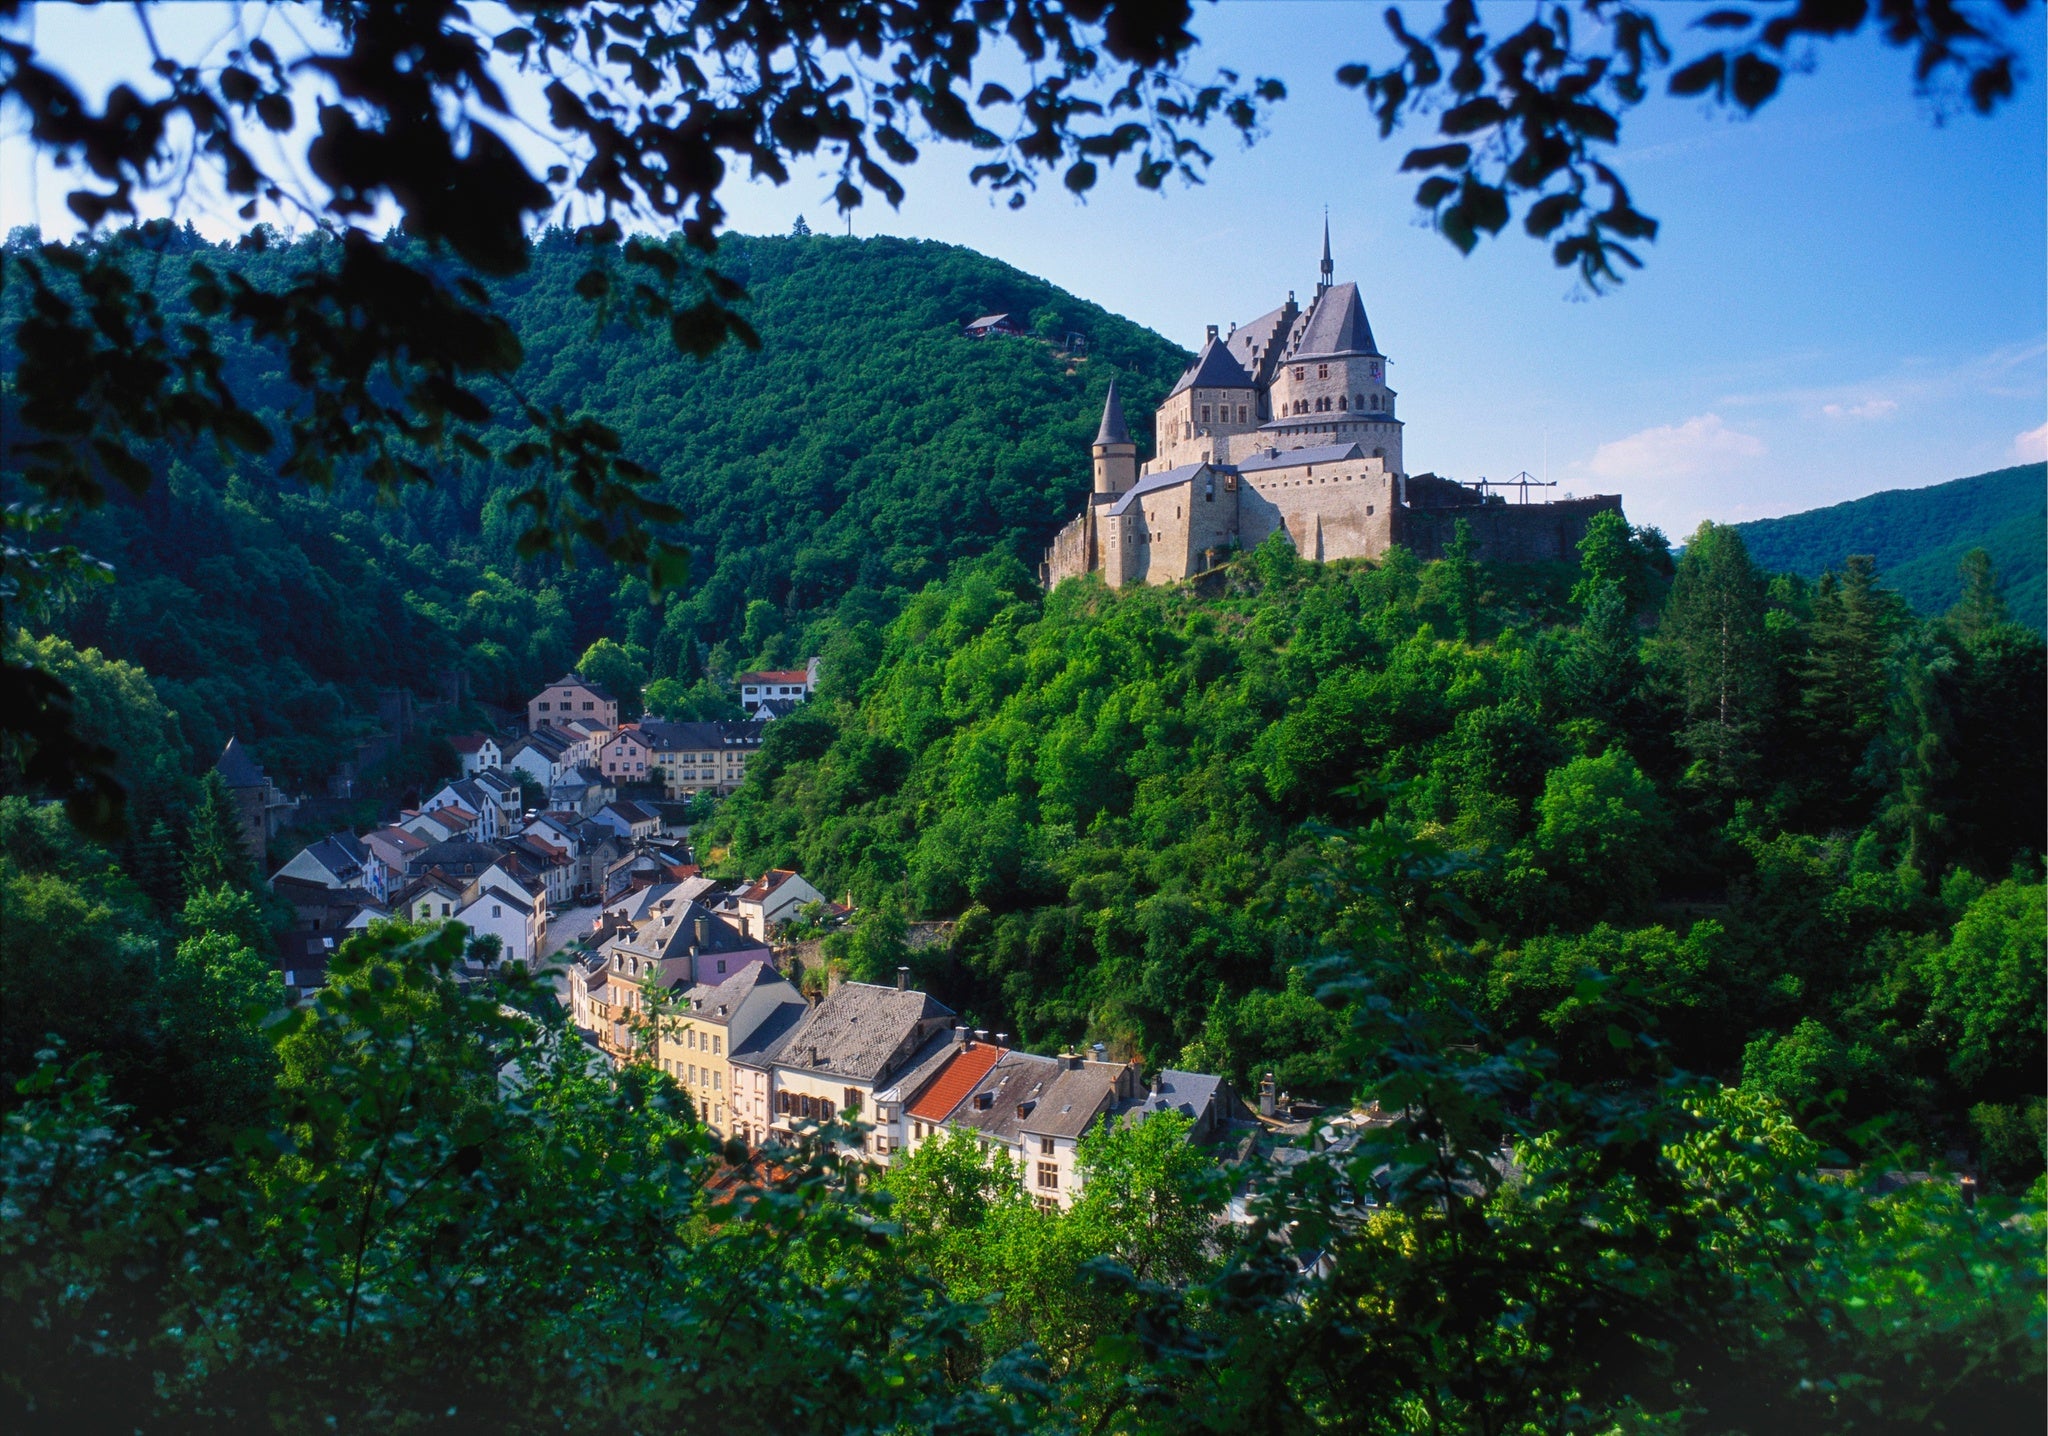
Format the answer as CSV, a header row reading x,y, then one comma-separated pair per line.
x,y
1846,295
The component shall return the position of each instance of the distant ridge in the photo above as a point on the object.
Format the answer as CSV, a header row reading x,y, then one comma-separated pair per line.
x,y
1918,536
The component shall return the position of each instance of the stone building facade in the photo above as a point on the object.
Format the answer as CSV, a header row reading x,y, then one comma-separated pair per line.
x,y
1285,424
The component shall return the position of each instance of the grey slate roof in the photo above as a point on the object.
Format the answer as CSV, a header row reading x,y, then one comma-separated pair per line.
x,y
1152,484
1294,458
1187,1093
1016,1079
671,934
1113,429
1213,369
237,769
762,1046
458,857
1336,325
861,1032
1072,1101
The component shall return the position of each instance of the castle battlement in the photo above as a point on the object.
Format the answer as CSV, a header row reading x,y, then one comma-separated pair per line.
x,y
1285,423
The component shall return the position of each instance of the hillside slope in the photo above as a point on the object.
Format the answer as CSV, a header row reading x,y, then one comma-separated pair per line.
x,y
866,446
1918,536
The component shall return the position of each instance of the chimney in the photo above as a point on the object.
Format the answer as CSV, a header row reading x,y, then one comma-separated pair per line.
x,y
962,1035
703,930
814,1056
981,1034
902,979
1266,1099
1100,1051
1002,1039
1212,334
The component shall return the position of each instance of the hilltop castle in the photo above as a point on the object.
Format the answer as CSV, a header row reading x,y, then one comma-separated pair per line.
x,y
1285,423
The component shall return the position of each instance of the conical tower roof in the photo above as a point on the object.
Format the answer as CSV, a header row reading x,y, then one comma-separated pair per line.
x,y
1113,429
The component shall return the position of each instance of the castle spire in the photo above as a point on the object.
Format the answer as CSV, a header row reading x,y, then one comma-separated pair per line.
x,y
1113,430
1329,271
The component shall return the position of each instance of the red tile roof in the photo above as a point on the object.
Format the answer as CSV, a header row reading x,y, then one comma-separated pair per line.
x,y
777,675
960,1076
469,742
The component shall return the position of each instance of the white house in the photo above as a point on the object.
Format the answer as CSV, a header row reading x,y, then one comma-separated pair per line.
x,y
515,921
772,898
336,861
784,685
478,752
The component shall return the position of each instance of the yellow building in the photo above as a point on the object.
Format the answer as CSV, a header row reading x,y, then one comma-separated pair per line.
x,y
698,1035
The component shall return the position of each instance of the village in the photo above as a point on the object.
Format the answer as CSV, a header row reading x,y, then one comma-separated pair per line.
x,y
659,963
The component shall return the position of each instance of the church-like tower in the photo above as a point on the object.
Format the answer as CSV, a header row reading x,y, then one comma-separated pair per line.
x,y
1116,456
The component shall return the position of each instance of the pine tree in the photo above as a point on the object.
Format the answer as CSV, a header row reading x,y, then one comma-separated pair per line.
x,y
1845,680
153,862
1464,574
1602,666
1982,605
1714,624
213,846
800,230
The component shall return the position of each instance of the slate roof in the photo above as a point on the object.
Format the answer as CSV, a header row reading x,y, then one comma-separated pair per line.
x,y
959,1077
1072,1100
671,934
765,1044
1152,484
776,675
720,1001
469,742
1336,325
237,769
1214,368
456,854
498,894
339,853
1187,1093
1017,1078
860,1032
597,690
632,812
1113,430
673,737
1295,458
1263,334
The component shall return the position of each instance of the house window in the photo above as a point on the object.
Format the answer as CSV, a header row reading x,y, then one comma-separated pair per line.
x,y
497,911
852,1102
1045,1146
543,707
1046,1204
717,1042
718,1081
1049,1174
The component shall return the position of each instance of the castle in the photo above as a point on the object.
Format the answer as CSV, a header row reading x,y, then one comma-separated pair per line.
x,y
1286,423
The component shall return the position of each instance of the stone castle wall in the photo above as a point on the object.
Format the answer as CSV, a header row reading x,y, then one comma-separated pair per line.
x,y
1071,554
1505,533
1328,510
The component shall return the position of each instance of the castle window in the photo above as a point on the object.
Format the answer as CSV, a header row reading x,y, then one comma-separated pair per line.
x,y
1322,371
1361,401
1300,372
1205,413
1241,414
1342,403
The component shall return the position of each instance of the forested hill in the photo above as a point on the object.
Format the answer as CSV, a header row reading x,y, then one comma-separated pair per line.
x,y
1919,536
864,447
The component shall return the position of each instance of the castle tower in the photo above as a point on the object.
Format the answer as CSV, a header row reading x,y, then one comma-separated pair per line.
x,y
1116,457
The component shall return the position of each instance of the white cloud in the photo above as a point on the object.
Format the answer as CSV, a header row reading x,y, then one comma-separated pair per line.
x,y
1868,409
2032,446
1675,451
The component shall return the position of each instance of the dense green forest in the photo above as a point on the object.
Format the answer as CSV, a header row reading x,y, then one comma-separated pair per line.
x,y
1920,536
1670,908
1793,814
841,467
